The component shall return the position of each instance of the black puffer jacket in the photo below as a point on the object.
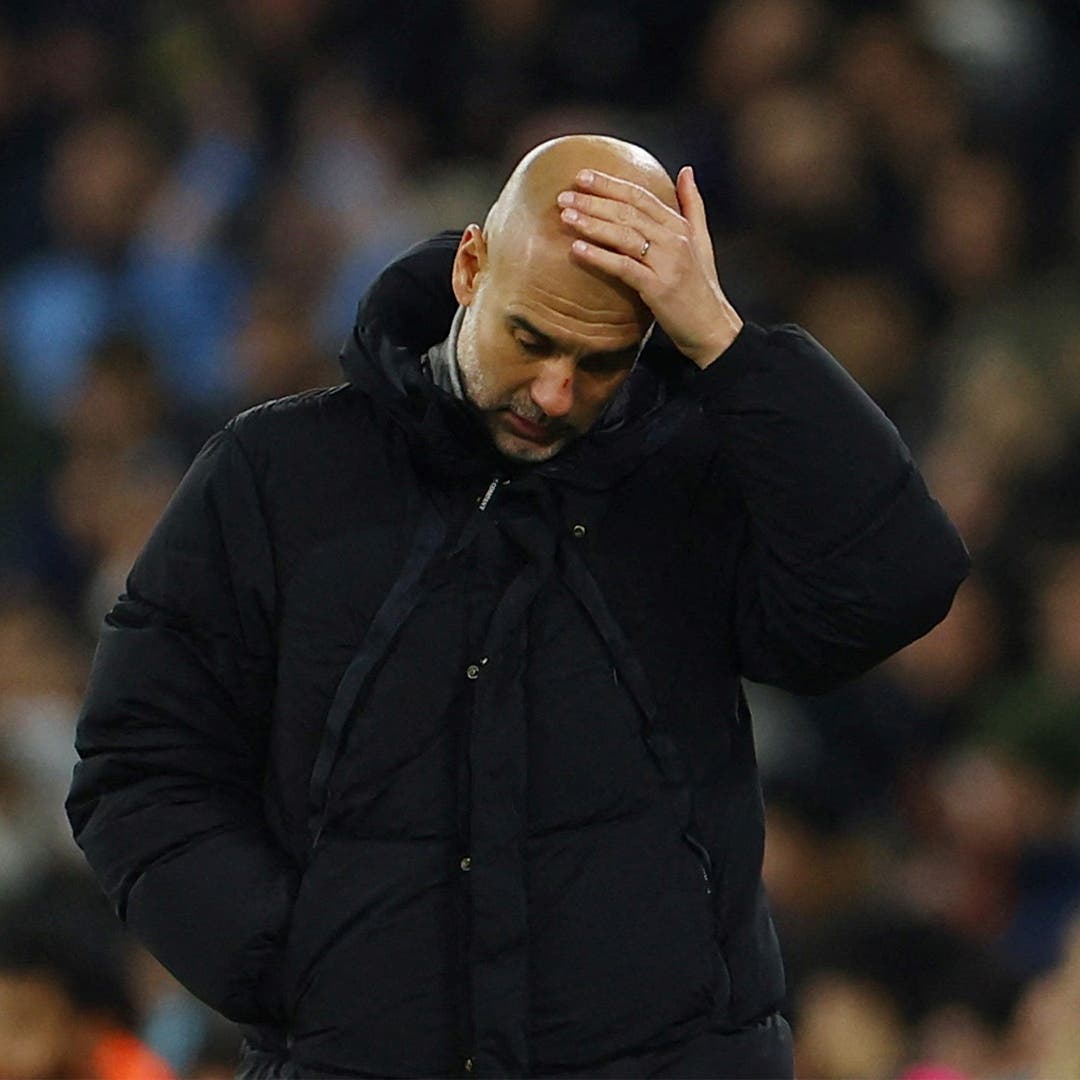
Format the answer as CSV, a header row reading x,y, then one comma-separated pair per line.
x,y
431,767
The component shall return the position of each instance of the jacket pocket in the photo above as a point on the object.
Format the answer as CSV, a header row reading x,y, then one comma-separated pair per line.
x,y
722,973
622,939
703,859
372,967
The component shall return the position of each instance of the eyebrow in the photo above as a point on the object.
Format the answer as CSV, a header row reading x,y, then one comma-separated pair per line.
x,y
549,342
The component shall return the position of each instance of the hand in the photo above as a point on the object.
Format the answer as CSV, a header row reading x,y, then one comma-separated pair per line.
x,y
664,255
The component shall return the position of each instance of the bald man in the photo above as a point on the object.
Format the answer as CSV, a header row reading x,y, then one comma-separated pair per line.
x,y
580,261
416,743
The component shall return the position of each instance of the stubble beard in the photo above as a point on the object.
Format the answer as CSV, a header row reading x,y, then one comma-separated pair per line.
x,y
480,394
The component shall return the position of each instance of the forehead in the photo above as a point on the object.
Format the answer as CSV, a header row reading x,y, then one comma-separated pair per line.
x,y
536,280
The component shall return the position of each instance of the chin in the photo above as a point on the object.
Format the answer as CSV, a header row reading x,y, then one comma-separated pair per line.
x,y
525,452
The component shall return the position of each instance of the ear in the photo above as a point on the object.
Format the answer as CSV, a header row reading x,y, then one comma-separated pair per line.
x,y
469,263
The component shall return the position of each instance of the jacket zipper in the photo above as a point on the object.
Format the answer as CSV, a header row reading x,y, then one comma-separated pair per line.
x,y
486,497
704,859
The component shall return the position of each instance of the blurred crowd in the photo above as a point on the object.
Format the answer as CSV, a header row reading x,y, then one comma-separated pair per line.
x,y
193,196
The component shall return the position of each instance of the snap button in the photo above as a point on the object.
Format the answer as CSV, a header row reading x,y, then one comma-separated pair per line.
x,y
473,670
578,531
466,863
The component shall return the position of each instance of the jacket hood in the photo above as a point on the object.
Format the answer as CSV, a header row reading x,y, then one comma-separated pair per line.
x,y
409,308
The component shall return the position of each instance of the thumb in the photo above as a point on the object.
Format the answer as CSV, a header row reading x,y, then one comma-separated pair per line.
x,y
693,209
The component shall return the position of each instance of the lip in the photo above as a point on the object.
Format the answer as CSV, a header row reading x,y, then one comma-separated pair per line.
x,y
527,429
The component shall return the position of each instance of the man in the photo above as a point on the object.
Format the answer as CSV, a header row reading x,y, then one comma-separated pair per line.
x,y
416,742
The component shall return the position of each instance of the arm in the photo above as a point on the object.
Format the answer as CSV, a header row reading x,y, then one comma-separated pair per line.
x,y
166,801
846,558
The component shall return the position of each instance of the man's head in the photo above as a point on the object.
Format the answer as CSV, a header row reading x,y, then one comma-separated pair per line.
x,y
545,343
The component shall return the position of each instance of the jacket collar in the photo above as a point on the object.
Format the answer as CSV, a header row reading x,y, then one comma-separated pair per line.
x,y
410,308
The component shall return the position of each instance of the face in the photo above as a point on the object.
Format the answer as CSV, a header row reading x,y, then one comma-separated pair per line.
x,y
543,345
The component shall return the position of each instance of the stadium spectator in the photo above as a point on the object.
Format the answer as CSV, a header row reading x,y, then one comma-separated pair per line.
x,y
66,1006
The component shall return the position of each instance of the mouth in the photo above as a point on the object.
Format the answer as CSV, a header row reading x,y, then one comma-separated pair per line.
x,y
528,429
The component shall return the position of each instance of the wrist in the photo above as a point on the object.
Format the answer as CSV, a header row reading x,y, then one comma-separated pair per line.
x,y
718,342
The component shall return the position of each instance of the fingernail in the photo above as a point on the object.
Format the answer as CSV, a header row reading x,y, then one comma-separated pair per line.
x,y
566,198
580,246
569,215
586,176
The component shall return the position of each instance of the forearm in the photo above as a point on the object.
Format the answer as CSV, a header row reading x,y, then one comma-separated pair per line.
x,y
846,556
815,460
165,803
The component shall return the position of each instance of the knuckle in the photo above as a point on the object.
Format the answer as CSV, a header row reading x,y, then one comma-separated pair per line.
x,y
604,232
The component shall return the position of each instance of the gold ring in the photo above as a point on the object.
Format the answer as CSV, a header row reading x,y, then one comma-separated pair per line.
x,y
644,249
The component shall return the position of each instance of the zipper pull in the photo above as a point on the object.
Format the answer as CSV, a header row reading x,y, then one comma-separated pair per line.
x,y
486,497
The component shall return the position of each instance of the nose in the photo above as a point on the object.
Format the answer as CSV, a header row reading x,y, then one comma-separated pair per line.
x,y
553,387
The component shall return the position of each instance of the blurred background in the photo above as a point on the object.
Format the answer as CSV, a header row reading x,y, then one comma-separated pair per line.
x,y
193,196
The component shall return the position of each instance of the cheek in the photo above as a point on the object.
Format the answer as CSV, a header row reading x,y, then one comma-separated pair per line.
x,y
475,372
498,360
591,397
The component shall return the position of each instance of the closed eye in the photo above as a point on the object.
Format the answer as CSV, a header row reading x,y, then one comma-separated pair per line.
x,y
609,363
533,348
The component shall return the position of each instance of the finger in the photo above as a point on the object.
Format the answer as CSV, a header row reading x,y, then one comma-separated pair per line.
x,y
693,207
615,211
612,187
613,263
690,200
620,238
